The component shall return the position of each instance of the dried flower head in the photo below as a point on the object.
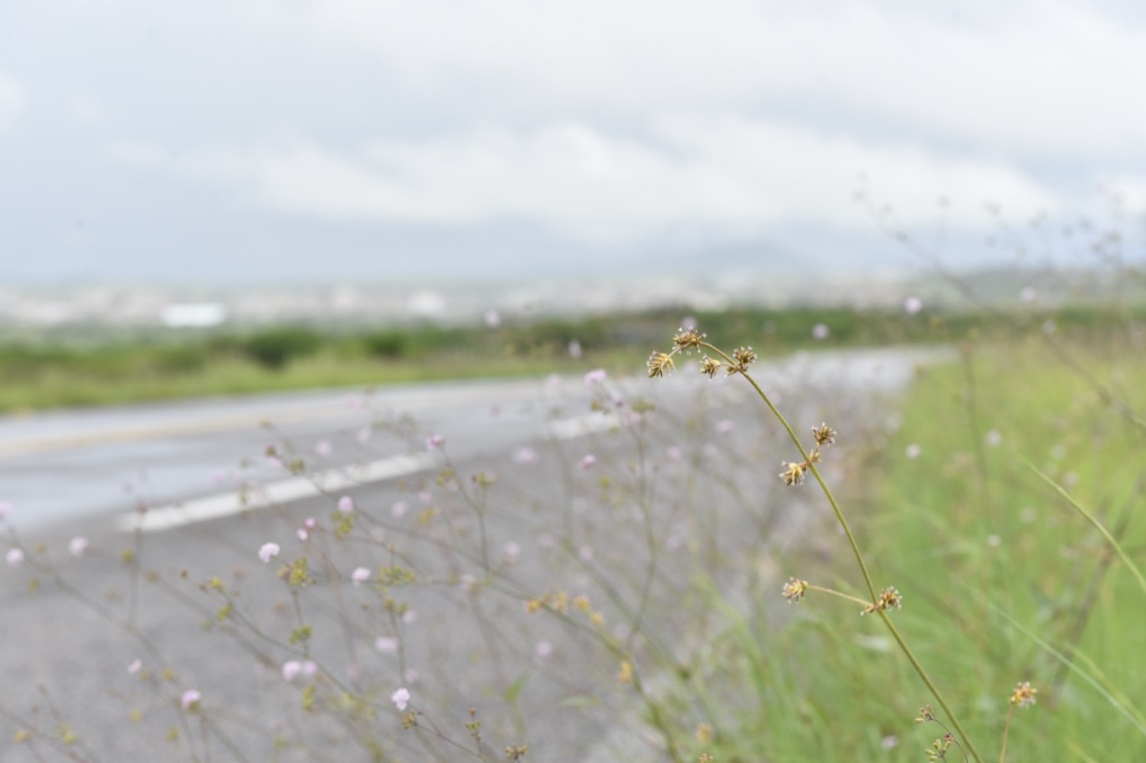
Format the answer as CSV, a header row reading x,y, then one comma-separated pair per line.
x,y
1024,694
687,340
709,367
795,589
794,473
659,364
888,598
925,714
824,435
744,357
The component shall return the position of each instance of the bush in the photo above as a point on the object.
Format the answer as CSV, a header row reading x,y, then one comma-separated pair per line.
x,y
276,347
386,344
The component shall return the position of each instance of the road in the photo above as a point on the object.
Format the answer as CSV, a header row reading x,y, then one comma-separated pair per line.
x,y
190,490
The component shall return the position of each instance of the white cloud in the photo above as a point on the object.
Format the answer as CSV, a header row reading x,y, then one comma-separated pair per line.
x,y
87,110
731,174
12,100
1056,77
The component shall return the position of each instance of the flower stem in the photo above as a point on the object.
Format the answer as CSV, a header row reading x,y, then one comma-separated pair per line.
x,y
854,546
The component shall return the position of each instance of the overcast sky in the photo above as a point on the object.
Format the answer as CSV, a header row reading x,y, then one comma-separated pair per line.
x,y
222,140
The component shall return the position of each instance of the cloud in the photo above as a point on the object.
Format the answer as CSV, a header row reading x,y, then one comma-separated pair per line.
x,y
1031,78
729,174
12,100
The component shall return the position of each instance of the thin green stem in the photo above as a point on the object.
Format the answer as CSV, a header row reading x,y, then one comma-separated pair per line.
x,y
840,594
854,546
1006,732
812,467
930,685
1094,523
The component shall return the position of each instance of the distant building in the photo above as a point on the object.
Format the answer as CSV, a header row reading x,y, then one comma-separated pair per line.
x,y
193,314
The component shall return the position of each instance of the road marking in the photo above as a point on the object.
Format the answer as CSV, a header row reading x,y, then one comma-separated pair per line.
x,y
581,426
220,505
281,491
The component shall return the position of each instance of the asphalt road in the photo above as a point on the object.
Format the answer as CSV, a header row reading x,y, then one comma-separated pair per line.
x,y
507,509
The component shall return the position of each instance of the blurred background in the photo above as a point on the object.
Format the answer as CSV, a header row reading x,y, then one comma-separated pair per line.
x,y
175,171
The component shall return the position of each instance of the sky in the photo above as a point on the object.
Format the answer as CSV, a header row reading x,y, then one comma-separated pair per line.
x,y
235,141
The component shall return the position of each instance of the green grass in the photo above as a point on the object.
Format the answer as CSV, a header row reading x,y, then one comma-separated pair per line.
x,y
85,366
1003,580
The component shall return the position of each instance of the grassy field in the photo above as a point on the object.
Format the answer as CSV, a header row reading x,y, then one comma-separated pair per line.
x,y
1003,581
77,367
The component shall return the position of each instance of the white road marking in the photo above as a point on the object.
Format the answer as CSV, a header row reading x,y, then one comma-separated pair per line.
x,y
571,429
271,493
219,505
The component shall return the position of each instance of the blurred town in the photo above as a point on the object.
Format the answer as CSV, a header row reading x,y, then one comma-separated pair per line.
x,y
172,306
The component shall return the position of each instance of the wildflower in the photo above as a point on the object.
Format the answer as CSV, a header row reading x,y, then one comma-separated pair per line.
x,y
820,332
744,357
190,700
543,649
77,546
724,426
888,598
386,644
938,749
575,350
511,553
435,441
360,575
794,473
399,509
401,698
596,376
134,666
291,670
659,364
925,714
323,447
824,435
912,305
15,557
346,504
268,551
525,456
687,339
1024,694
709,367
588,461
795,589
912,451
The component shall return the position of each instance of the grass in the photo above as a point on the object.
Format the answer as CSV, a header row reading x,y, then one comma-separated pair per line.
x,y
74,367
1003,581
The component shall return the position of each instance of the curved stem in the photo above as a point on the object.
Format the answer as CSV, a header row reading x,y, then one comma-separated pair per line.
x,y
854,546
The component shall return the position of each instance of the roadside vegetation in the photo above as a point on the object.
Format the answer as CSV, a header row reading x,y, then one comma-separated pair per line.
x,y
956,574
74,368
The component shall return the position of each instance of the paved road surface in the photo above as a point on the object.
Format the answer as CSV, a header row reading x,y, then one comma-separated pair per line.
x,y
687,488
